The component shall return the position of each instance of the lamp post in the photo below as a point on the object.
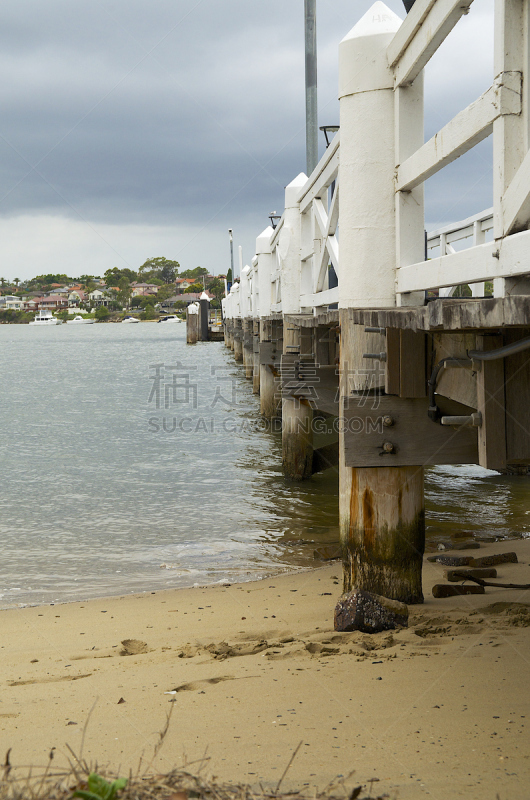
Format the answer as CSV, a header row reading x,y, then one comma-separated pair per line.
x,y
311,107
230,234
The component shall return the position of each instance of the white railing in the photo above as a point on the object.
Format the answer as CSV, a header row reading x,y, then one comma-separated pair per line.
x,y
289,273
453,238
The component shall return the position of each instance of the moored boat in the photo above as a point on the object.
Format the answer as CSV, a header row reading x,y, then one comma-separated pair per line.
x,y
170,318
130,319
45,318
79,320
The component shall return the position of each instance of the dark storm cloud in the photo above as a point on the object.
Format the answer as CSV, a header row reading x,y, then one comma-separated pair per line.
x,y
187,111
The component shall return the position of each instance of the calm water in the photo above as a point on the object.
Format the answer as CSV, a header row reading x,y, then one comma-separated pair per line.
x,y
132,462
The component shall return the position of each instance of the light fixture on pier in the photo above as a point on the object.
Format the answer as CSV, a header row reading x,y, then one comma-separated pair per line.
x,y
274,217
328,130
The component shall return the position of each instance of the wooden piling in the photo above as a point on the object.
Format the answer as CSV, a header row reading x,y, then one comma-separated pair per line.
x,y
238,340
248,351
297,421
269,394
192,324
255,357
382,523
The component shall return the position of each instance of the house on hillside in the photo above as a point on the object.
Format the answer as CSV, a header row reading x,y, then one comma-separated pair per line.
x,y
53,302
75,297
99,297
186,297
10,301
143,289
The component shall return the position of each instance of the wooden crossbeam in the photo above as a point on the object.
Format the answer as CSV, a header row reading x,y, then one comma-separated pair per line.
x,y
463,132
506,259
421,35
516,200
328,172
320,298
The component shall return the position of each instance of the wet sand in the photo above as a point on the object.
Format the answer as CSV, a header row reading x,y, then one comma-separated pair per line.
x,y
441,709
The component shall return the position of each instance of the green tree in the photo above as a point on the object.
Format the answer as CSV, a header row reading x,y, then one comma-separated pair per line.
x,y
114,276
195,287
194,273
161,268
149,312
102,313
88,282
217,287
229,276
165,292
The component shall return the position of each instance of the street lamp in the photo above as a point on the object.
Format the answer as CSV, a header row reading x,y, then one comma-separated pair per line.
x,y
274,217
328,131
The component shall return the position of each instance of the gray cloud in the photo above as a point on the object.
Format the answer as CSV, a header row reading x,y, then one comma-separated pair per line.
x,y
188,112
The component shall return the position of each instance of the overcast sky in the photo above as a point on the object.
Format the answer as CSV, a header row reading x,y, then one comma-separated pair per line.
x,y
131,129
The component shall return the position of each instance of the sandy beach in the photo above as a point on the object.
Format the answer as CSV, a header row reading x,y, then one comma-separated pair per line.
x,y
438,710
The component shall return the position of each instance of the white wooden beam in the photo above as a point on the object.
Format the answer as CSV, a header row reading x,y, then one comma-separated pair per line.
x,y
486,262
411,25
410,53
516,200
320,298
509,136
324,174
463,132
474,264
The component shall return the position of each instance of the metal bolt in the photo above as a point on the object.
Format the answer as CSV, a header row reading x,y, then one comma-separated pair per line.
x,y
388,447
388,421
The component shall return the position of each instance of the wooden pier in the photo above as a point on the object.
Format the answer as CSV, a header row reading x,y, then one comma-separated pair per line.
x,y
408,374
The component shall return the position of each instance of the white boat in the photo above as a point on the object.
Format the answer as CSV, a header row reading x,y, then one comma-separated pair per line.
x,y
130,319
170,318
45,318
79,320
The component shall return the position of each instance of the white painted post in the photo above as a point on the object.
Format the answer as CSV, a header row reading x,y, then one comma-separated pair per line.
x,y
297,415
268,383
479,237
410,216
289,247
381,509
367,163
265,263
245,302
510,132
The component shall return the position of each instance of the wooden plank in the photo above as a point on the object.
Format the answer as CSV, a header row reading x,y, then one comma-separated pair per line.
x,y
462,133
517,392
412,381
393,361
408,30
436,26
459,385
320,298
417,439
328,166
516,200
268,354
472,265
509,132
491,404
